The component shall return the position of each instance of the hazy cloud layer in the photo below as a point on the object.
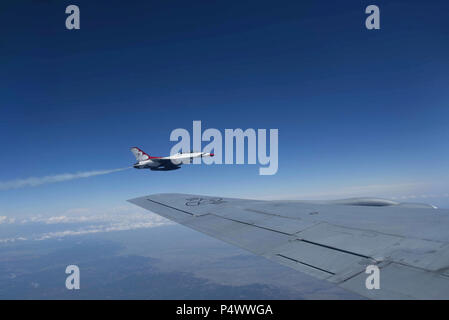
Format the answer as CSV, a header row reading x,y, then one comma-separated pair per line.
x,y
80,221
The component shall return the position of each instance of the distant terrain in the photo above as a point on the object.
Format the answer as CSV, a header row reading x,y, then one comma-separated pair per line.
x,y
165,262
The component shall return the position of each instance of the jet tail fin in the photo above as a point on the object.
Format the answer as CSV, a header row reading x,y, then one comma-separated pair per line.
x,y
139,154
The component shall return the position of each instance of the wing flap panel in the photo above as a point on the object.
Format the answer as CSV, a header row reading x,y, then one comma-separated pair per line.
x,y
402,282
338,265
249,237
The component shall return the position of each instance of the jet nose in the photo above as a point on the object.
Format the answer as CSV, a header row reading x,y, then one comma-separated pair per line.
x,y
204,154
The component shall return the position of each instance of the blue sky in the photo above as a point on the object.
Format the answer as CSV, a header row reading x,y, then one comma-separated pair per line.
x,y
358,111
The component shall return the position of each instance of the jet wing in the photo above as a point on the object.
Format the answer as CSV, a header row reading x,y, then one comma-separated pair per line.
x,y
164,163
328,240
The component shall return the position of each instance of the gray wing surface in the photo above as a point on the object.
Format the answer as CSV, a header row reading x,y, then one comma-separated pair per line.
x,y
329,241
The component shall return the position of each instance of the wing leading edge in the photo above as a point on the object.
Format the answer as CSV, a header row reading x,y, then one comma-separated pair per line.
x,y
329,241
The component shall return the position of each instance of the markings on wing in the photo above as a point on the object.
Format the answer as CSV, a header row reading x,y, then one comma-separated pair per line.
x,y
192,202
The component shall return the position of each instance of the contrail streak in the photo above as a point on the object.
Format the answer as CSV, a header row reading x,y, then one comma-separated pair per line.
x,y
37,181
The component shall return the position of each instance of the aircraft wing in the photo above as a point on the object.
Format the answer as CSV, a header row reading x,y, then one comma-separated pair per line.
x,y
333,241
165,163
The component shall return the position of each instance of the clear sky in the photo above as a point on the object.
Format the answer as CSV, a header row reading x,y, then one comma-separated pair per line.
x,y
359,112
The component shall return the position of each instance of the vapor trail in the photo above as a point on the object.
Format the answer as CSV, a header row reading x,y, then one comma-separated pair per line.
x,y
37,181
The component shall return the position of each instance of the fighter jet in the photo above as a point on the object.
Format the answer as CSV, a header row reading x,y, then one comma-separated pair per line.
x,y
173,162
